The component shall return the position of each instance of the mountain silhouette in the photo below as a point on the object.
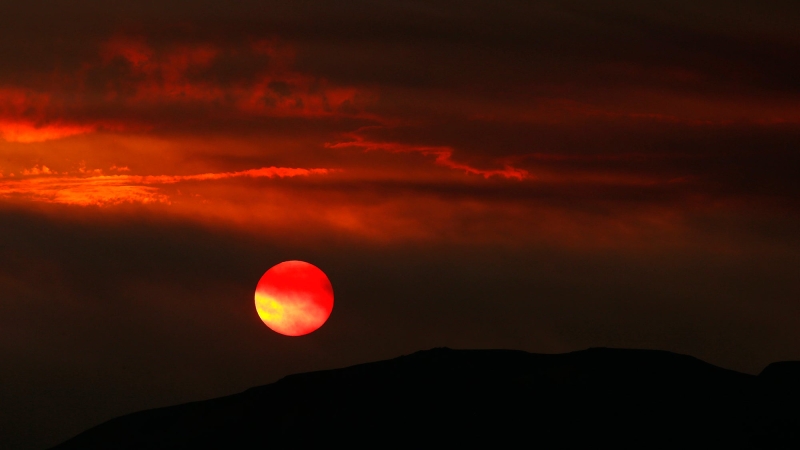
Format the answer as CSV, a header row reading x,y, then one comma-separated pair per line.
x,y
615,398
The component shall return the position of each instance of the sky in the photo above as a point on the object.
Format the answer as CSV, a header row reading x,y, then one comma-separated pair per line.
x,y
545,176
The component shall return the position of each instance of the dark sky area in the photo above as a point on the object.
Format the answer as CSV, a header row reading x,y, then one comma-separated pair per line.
x,y
545,176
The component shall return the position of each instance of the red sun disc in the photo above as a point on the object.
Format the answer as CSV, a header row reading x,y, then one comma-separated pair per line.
x,y
294,298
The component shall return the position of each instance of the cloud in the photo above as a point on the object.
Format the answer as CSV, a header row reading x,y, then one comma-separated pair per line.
x,y
26,117
27,132
103,190
582,106
443,156
130,85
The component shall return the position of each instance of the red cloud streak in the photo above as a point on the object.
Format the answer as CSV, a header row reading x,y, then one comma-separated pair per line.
x,y
443,156
115,189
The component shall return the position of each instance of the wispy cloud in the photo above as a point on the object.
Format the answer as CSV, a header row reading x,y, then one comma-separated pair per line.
x,y
42,184
443,156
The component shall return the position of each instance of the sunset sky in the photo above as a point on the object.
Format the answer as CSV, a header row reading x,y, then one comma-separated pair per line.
x,y
545,176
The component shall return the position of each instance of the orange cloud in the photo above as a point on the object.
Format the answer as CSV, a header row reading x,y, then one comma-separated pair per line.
x,y
102,190
402,217
268,172
24,117
36,170
27,132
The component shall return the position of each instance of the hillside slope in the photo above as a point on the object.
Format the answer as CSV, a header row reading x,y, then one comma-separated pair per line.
x,y
624,398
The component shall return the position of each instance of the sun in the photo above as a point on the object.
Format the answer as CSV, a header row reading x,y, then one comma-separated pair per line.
x,y
294,298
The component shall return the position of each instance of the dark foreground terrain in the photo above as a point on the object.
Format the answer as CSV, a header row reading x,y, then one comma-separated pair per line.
x,y
495,398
